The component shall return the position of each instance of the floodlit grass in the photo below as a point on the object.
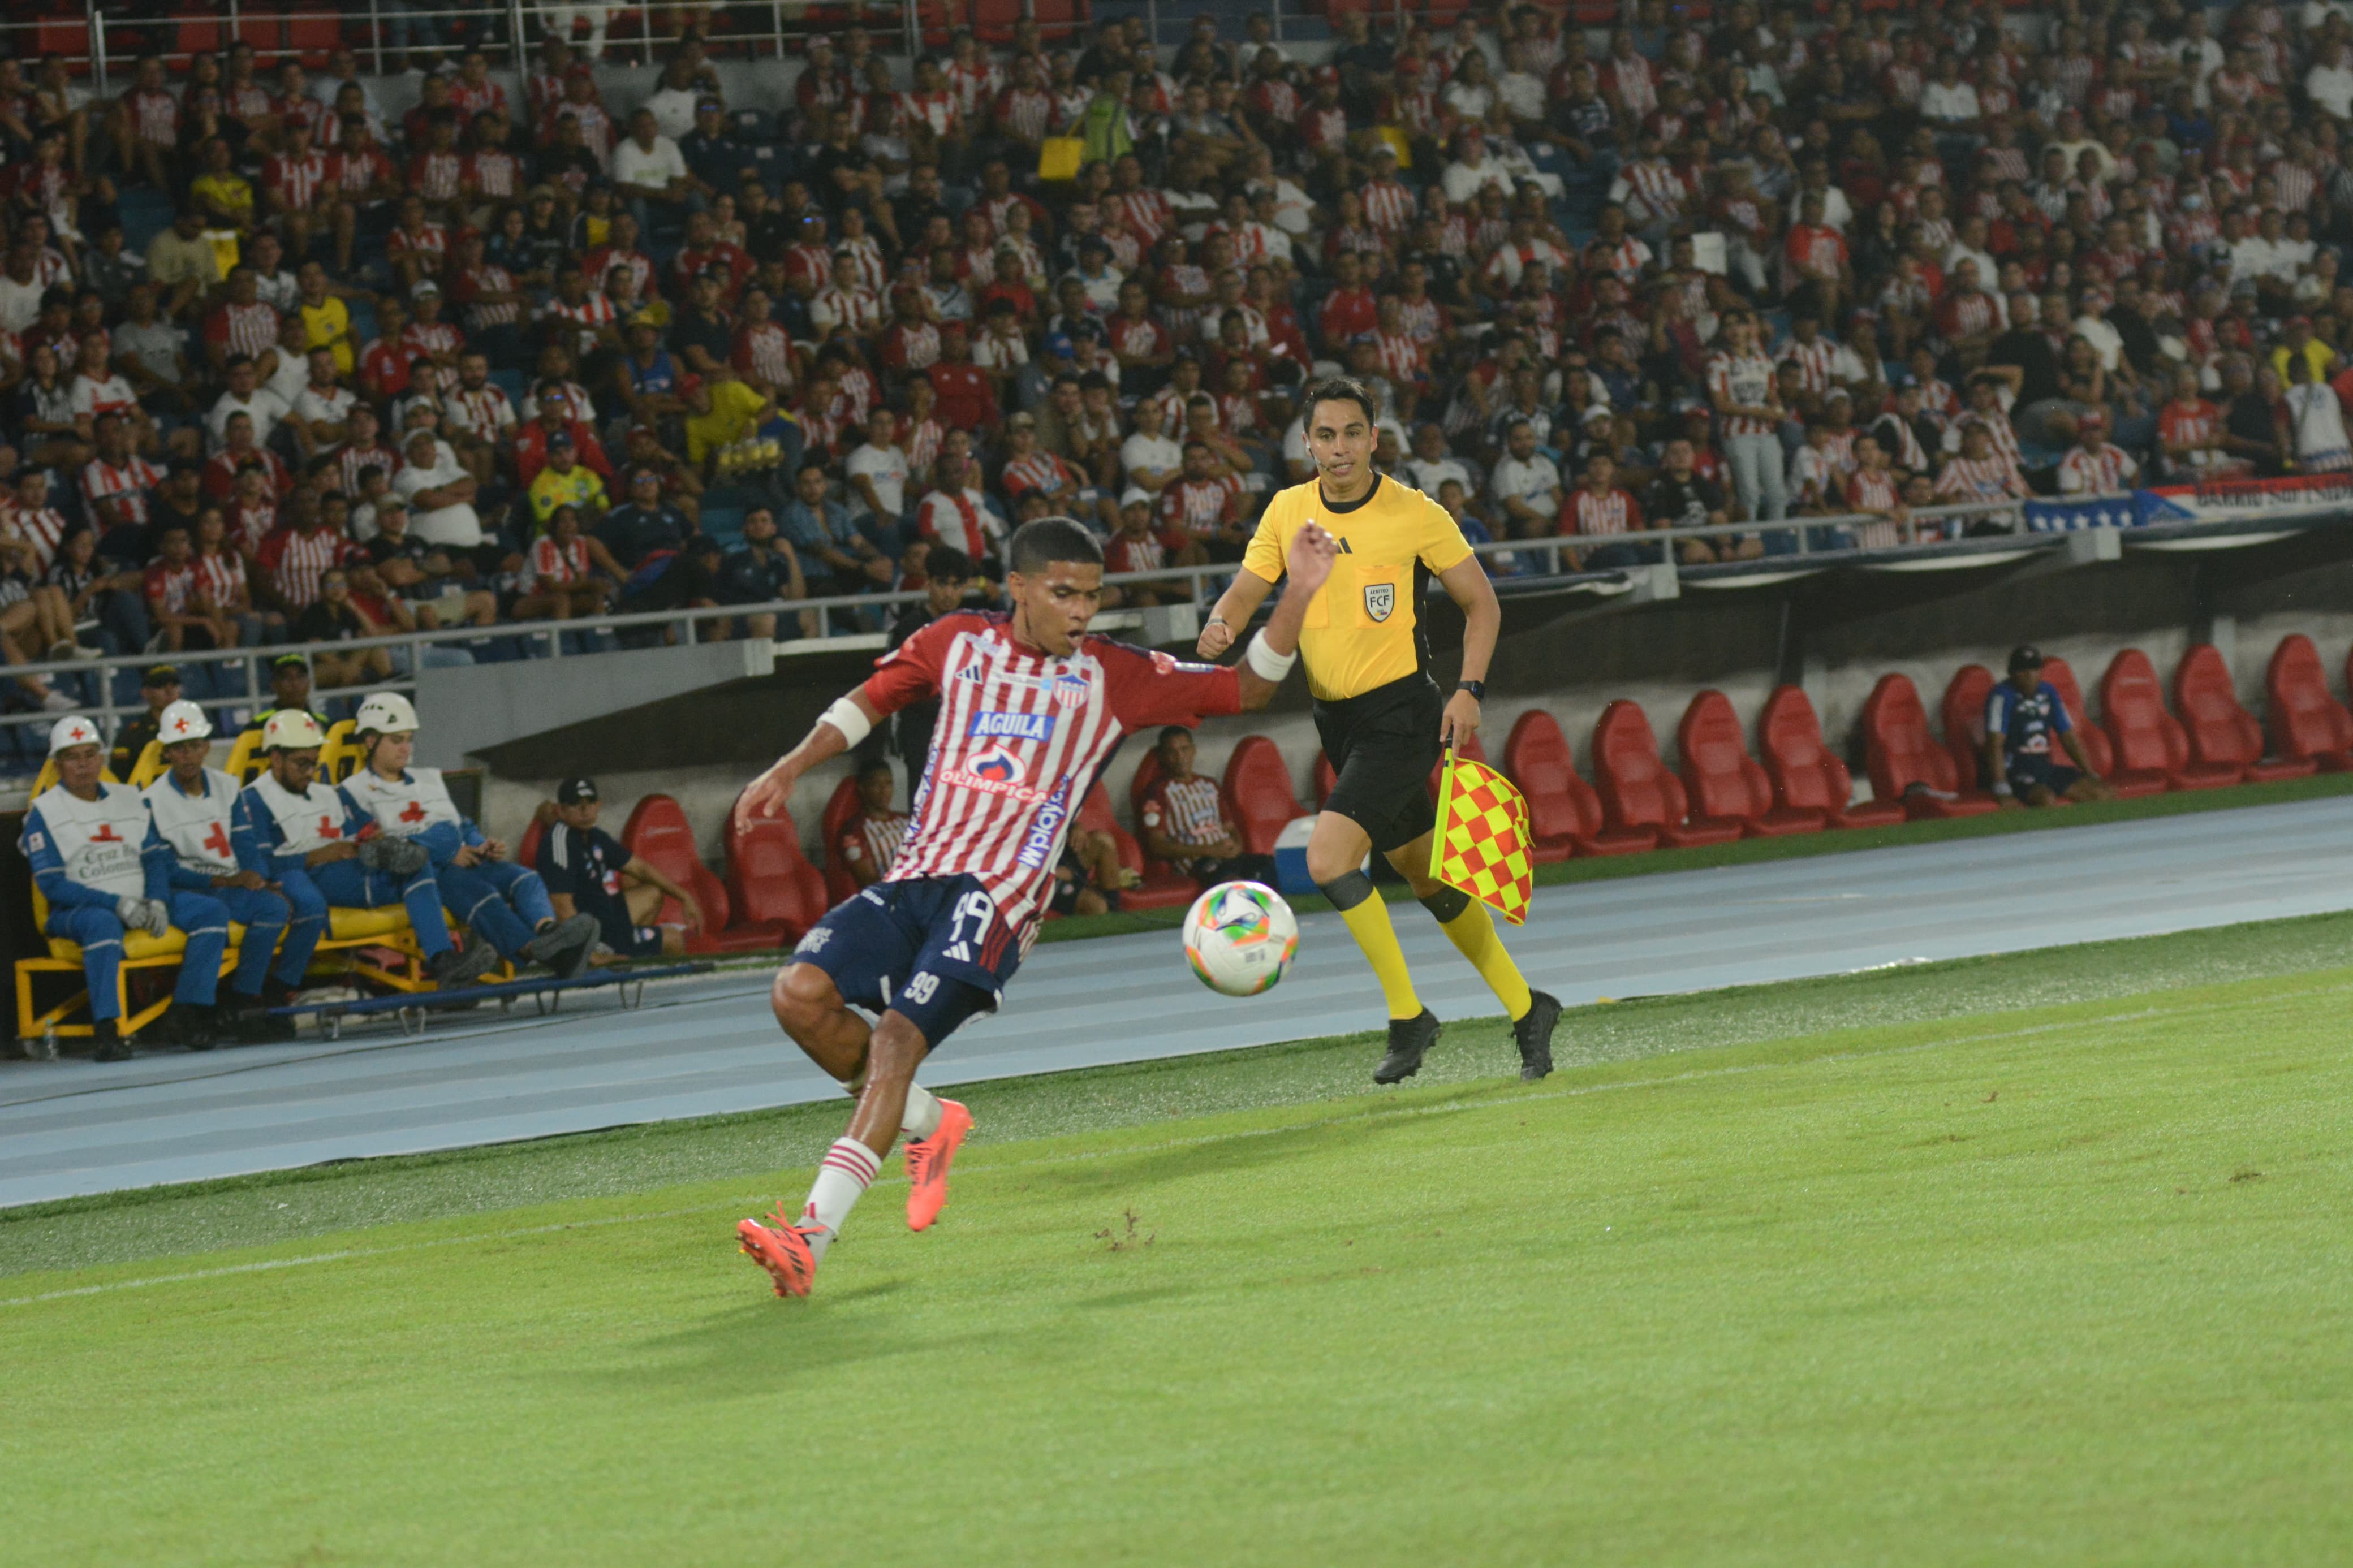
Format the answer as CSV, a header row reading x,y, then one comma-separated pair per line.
x,y
2022,1260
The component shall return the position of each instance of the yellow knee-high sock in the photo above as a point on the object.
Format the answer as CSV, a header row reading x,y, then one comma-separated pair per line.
x,y
1368,922
1474,936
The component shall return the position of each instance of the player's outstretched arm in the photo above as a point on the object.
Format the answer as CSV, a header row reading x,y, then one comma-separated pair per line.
x,y
1276,649
827,739
1483,620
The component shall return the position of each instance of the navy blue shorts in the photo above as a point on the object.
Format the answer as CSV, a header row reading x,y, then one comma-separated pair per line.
x,y
933,950
2029,774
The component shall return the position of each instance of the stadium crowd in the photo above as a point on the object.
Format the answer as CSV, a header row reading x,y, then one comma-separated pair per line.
x,y
487,359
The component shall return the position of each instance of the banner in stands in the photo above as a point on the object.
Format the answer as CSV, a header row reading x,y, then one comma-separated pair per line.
x,y
2094,512
2222,500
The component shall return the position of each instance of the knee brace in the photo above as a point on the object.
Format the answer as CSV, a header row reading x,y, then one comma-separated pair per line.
x,y
1348,890
1447,904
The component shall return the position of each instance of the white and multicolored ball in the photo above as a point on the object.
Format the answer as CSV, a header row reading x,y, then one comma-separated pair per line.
x,y
1239,937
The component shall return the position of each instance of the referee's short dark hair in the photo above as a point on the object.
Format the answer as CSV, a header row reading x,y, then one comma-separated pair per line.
x,y
1041,542
1341,389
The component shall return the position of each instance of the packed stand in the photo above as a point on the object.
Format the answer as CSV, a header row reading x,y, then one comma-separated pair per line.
x,y
505,356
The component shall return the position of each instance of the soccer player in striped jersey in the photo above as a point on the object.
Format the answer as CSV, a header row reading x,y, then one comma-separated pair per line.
x,y
1031,706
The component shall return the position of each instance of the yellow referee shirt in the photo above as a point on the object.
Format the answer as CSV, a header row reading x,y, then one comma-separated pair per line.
x,y
1361,629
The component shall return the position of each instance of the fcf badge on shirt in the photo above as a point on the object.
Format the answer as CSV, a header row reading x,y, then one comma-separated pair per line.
x,y
1380,600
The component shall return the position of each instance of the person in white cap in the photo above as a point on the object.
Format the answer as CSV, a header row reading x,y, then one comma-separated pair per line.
x,y
195,809
505,903
105,870
293,826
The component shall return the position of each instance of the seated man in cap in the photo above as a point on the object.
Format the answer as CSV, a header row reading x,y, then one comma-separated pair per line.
x,y
103,869
502,902
195,809
289,691
589,872
2023,715
2094,465
306,835
158,689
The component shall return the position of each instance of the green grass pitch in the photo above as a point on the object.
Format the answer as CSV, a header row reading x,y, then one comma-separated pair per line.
x,y
2028,1261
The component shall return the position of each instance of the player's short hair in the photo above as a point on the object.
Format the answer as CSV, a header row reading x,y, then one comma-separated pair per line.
x,y
1045,541
1341,389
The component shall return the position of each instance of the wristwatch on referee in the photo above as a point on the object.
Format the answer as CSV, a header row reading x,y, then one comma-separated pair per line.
x,y
1477,689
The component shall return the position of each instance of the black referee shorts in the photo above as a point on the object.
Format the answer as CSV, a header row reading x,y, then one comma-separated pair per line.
x,y
1382,743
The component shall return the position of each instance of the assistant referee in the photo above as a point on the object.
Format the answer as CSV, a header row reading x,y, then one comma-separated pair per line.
x,y
1382,720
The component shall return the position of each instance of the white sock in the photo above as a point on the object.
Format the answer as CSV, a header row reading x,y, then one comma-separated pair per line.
x,y
842,1180
921,1117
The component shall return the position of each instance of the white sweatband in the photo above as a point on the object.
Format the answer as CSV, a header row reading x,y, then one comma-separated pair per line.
x,y
1268,663
846,716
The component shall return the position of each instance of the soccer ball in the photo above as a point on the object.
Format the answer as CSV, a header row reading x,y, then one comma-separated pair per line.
x,y
1239,937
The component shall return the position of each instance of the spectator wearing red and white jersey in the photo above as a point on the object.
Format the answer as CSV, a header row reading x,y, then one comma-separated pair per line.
x,y
1979,473
241,323
2095,465
1140,544
870,841
956,513
967,398
1204,505
2190,433
1598,509
1183,820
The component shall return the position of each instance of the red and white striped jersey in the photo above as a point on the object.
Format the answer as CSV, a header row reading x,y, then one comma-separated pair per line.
x,y
1746,378
1979,478
484,411
1389,206
1997,430
1813,360
296,181
1037,471
1632,83
471,98
1200,507
296,561
2094,470
2295,184
243,329
1616,512
1020,738
766,350
353,173
1143,211
1026,113
489,277
550,562
220,577
495,173
870,838
429,243
593,312
1664,193
1187,810
972,86
432,340
251,523
352,459
1401,354
169,588
126,486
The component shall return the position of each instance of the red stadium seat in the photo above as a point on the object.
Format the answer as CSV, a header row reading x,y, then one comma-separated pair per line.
x,y
2148,743
2097,744
1147,775
1564,814
656,833
526,849
197,33
1805,776
776,893
1636,789
314,34
2305,721
1471,749
1723,781
1162,887
67,35
265,30
839,807
2220,731
1324,778
1257,788
1899,754
1963,715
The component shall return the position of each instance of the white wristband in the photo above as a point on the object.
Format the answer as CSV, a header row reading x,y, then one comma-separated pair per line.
x,y
2003,788
846,716
1268,663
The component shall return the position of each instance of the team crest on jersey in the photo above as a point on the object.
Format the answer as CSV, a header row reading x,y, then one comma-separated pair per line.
x,y
1380,600
1011,726
1069,689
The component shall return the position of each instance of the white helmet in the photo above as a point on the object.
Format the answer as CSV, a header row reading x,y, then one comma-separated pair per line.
x,y
386,713
291,730
73,730
181,720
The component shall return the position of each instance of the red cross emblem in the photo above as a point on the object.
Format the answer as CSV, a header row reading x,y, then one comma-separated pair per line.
x,y
217,841
106,835
413,812
179,726
327,828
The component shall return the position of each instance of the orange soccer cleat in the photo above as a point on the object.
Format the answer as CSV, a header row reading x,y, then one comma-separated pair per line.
x,y
782,1249
928,1165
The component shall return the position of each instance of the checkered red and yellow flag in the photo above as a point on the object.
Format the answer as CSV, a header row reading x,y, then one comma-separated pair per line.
x,y
1481,843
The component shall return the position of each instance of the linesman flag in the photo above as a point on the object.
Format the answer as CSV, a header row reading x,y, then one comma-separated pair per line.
x,y
1481,847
